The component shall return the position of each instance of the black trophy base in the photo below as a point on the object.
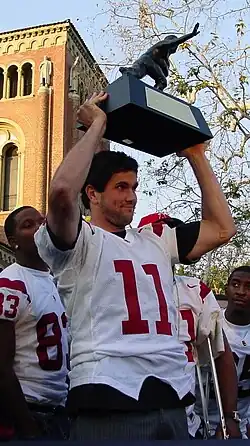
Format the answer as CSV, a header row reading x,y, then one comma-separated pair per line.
x,y
149,120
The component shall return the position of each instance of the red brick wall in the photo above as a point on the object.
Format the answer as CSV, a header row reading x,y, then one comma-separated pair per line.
x,y
25,112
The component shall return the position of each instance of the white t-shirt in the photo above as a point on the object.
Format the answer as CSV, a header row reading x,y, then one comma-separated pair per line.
x,y
30,300
198,308
119,300
239,339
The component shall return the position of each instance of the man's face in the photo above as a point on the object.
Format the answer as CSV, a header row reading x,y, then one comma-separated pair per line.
x,y
117,202
238,291
27,223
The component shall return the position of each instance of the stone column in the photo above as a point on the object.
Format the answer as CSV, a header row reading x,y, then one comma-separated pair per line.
x,y
42,148
5,83
19,82
7,88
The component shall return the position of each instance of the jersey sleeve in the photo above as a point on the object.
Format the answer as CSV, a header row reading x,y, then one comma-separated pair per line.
x,y
14,298
59,259
187,235
209,324
177,241
168,238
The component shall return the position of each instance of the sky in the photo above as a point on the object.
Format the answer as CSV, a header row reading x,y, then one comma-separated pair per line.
x,y
86,16
81,13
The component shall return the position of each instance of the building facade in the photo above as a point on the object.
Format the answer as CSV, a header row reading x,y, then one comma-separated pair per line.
x,y
45,73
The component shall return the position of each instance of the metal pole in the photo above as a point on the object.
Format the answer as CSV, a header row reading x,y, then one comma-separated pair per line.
x,y
217,391
207,430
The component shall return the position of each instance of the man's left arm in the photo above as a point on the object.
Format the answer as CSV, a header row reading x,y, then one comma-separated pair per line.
x,y
210,324
217,226
228,383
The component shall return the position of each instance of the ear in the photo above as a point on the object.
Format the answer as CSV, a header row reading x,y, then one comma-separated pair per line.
x,y
93,195
12,242
226,287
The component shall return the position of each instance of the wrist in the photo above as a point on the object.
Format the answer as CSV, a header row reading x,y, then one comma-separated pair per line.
x,y
195,152
232,415
100,122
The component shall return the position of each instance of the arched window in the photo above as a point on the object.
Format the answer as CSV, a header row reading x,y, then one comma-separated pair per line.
x,y
26,79
1,82
12,81
10,178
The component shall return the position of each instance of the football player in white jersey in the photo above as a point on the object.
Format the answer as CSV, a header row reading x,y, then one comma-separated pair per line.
x,y
33,338
200,316
127,363
236,324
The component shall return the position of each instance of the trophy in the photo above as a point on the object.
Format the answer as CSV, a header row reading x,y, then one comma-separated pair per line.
x,y
145,117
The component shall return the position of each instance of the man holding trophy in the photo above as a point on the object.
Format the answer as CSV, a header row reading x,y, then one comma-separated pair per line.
x,y
128,377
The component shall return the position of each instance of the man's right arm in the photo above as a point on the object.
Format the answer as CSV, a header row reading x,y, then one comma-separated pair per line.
x,y
12,397
63,209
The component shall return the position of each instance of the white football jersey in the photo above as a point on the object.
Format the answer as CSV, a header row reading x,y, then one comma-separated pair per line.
x,y
197,305
239,340
30,300
119,300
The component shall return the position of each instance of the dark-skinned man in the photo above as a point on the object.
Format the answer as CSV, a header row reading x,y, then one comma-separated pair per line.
x,y
236,324
33,339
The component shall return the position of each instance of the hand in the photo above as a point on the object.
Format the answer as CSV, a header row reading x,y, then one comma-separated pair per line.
x,y
202,148
30,430
89,111
233,429
195,30
33,433
248,431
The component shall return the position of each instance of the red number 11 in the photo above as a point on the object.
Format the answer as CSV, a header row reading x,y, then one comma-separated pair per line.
x,y
135,324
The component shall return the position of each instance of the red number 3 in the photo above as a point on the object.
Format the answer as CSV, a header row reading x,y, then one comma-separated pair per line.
x,y
187,315
135,324
12,311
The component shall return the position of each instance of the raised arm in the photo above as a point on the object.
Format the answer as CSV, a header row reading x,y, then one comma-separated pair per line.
x,y
217,225
168,43
188,36
181,39
63,209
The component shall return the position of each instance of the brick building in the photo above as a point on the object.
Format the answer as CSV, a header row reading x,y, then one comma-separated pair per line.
x,y
45,72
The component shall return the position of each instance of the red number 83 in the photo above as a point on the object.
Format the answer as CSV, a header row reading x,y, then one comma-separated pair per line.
x,y
12,311
54,340
44,341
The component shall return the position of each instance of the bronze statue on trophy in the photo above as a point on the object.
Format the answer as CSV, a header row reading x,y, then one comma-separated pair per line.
x,y
155,61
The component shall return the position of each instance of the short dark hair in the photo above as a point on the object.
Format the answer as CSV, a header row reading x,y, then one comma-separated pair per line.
x,y
10,222
103,166
243,269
